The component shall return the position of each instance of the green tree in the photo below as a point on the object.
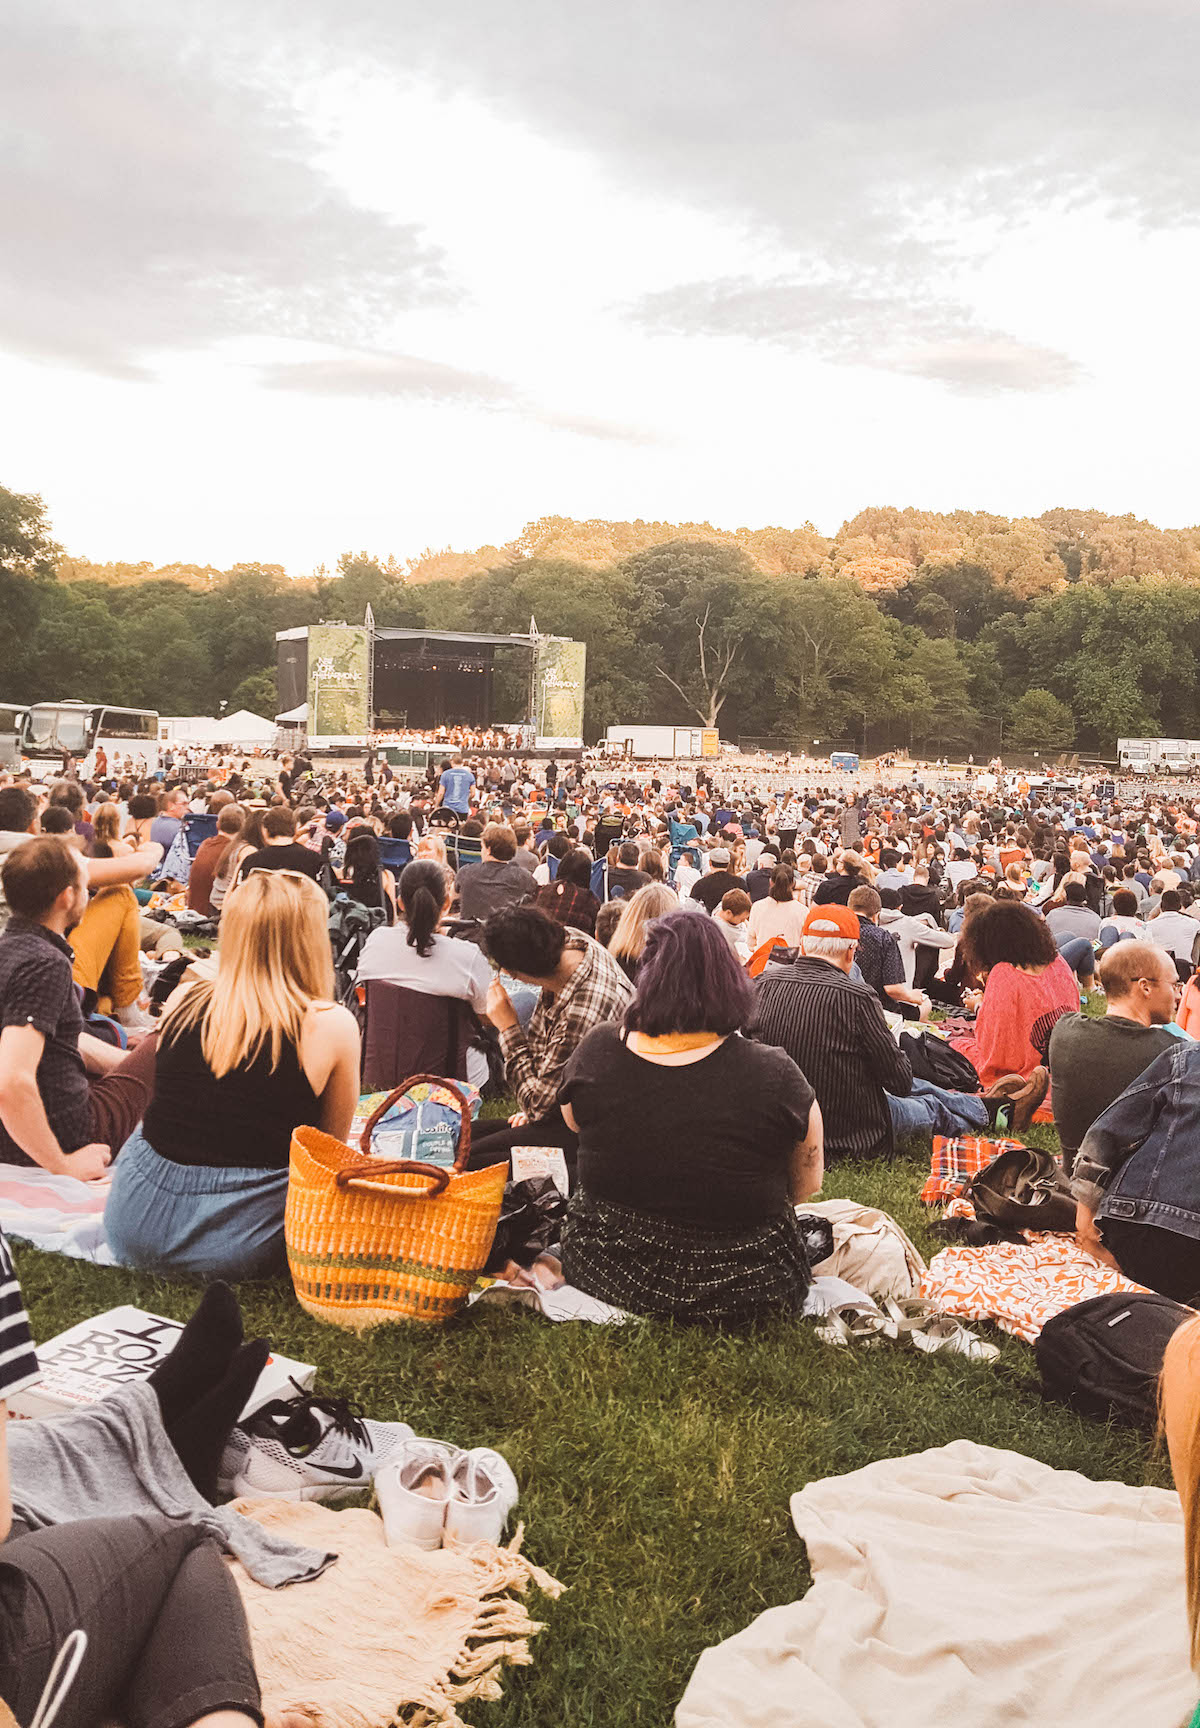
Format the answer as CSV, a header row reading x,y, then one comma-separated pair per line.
x,y
259,692
708,602
28,557
1039,721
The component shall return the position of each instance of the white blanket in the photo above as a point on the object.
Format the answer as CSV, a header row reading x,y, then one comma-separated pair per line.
x,y
966,1587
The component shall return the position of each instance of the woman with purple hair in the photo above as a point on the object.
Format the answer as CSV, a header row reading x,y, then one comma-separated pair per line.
x,y
695,1145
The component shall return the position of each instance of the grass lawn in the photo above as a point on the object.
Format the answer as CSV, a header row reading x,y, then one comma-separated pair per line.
x,y
655,1464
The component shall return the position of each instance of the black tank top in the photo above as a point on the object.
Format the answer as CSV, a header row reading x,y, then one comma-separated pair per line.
x,y
243,1121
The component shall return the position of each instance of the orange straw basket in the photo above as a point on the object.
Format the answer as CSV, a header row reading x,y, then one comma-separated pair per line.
x,y
370,1240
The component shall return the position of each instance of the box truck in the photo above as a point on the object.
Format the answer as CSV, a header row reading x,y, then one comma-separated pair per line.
x,y
663,742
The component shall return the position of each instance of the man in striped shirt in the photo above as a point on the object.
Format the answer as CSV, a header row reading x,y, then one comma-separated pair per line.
x,y
834,1030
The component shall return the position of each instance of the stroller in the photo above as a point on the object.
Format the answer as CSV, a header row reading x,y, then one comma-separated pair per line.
x,y
350,923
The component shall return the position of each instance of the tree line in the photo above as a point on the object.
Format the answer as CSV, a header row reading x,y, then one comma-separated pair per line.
x,y
938,633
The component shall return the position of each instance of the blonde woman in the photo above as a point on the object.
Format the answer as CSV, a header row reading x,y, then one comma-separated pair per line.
x,y
653,901
242,1060
106,834
1180,1399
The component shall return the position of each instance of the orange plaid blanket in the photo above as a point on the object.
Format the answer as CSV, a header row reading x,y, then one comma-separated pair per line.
x,y
955,1161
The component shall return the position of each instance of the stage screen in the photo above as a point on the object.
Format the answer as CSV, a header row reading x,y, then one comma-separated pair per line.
x,y
291,656
339,680
558,693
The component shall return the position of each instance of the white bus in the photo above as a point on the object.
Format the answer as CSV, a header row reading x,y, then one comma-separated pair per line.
x,y
53,731
12,718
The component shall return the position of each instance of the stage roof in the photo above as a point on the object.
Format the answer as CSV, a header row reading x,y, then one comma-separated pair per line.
x,y
470,638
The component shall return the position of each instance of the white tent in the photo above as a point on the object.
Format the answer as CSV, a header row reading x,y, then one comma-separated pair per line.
x,y
243,728
294,716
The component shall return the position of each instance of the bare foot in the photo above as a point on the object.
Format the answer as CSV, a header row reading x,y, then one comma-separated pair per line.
x,y
290,1719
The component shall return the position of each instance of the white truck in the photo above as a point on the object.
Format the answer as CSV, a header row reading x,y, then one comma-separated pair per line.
x,y
663,742
1158,756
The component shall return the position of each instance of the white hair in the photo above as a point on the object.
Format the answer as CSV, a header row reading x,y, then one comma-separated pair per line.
x,y
827,947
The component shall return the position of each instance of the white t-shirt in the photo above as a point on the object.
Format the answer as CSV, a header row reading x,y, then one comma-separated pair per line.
x,y
1174,931
776,918
451,968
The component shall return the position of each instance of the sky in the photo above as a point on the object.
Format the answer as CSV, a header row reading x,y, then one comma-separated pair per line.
x,y
284,280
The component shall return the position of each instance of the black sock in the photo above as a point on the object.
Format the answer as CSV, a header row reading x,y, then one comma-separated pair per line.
x,y
199,1437
202,1355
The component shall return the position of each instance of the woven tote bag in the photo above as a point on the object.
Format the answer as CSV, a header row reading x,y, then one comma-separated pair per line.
x,y
370,1239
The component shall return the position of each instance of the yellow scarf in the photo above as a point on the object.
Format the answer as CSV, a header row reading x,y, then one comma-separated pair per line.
x,y
671,1043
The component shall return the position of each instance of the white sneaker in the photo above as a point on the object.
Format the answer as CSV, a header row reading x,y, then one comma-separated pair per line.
x,y
485,1492
307,1449
414,1490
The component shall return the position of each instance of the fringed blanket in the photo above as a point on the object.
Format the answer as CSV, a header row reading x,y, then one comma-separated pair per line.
x,y
387,1634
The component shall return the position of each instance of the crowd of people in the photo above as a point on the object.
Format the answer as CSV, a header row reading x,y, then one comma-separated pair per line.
x,y
694,984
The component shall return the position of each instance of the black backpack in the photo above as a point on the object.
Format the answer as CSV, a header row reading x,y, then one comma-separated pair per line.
x,y
1103,1357
933,1060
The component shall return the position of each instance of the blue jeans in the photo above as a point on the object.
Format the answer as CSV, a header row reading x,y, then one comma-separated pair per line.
x,y
195,1220
1079,955
931,1109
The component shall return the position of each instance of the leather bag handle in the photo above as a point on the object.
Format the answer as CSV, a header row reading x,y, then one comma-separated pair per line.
x,y
359,1177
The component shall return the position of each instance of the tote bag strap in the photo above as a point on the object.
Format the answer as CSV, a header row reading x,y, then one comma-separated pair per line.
x,y
463,1151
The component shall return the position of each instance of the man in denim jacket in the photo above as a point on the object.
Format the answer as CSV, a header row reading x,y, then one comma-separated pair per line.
x,y
1137,1178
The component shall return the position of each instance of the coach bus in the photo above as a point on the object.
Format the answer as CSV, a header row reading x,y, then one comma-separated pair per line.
x,y
12,718
52,732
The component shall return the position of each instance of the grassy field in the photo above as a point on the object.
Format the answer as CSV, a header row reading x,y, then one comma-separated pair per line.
x,y
655,1464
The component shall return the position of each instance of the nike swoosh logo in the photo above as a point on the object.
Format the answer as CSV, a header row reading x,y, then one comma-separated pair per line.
x,y
351,1473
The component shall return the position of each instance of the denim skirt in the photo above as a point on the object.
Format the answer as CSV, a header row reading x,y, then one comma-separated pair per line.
x,y
194,1220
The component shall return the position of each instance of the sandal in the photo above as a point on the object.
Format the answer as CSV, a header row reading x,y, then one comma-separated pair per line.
x,y
854,1324
929,1330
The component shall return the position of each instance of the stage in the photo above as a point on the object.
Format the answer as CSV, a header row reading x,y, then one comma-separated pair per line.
x,y
352,681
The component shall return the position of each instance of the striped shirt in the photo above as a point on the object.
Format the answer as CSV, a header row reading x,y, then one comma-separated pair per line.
x,y
834,1030
18,1362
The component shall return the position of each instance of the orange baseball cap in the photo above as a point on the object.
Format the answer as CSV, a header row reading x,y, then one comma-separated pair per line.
x,y
832,921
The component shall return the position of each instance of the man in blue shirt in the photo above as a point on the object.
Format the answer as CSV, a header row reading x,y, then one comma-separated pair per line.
x,y
455,787
169,821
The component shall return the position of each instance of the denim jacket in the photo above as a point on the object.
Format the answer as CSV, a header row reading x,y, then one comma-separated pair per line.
x,y
1143,1152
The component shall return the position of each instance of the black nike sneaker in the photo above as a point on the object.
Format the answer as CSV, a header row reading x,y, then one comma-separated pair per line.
x,y
307,1448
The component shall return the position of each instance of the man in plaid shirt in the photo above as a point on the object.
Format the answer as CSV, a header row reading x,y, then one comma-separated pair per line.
x,y
582,986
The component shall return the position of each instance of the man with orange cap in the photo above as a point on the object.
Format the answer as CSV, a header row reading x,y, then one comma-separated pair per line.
x,y
831,1024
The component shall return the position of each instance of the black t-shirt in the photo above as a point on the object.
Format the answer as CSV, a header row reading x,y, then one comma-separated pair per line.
x,y
627,879
36,990
707,1143
712,889
290,857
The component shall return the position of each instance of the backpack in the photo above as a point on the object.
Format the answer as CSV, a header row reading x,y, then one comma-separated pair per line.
x,y
1103,1356
934,1060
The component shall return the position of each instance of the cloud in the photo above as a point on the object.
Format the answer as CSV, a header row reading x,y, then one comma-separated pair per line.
x,y
983,365
397,375
160,193
887,327
865,138
410,376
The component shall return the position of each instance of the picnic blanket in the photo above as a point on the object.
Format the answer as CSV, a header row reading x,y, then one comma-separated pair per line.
x,y
386,1634
1018,1287
966,1587
55,1213
955,1161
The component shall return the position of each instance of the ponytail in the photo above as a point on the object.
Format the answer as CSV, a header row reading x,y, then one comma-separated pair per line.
x,y
422,895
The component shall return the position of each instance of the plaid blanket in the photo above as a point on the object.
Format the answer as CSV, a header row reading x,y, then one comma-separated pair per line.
x,y
955,1161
